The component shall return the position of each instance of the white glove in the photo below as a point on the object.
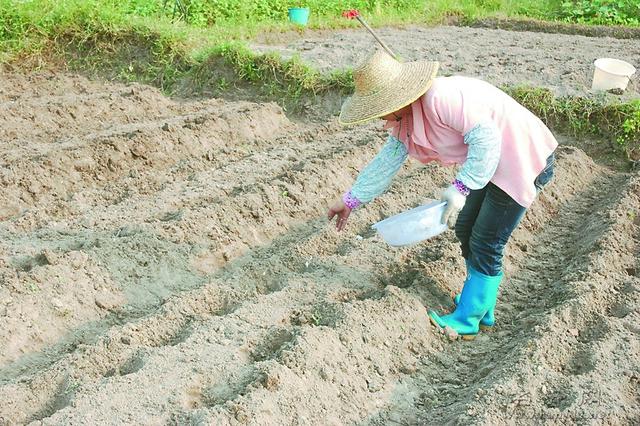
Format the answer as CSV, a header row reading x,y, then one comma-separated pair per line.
x,y
455,202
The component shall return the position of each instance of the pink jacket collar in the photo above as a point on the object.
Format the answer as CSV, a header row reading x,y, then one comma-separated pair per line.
x,y
411,130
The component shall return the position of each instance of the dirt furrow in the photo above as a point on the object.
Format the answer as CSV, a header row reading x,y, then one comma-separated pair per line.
x,y
475,375
167,262
43,117
245,388
238,286
54,176
578,366
152,251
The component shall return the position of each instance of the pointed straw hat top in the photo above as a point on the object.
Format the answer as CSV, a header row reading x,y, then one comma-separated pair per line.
x,y
384,85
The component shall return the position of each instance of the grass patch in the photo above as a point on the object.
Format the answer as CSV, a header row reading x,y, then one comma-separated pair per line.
x,y
618,122
27,25
293,75
603,12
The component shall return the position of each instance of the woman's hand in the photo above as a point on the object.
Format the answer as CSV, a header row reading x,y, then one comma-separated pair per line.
x,y
455,202
342,212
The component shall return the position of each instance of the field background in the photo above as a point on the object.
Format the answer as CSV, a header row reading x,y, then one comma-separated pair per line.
x,y
164,252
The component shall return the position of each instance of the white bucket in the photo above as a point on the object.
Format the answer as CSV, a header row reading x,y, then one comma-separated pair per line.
x,y
611,74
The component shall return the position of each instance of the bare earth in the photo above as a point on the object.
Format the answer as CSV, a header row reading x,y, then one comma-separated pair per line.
x,y
167,262
560,62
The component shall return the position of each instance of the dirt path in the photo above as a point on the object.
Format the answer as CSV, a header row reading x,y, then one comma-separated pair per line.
x,y
167,262
557,348
563,63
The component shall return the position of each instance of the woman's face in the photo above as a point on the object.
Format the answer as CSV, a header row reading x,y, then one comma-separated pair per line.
x,y
397,115
390,117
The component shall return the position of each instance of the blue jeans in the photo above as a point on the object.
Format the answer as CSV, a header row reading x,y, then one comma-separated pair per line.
x,y
487,220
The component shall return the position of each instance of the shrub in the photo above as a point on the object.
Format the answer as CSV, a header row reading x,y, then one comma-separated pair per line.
x,y
606,12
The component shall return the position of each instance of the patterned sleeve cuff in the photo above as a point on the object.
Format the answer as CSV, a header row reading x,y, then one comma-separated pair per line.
x,y
350,200
461,187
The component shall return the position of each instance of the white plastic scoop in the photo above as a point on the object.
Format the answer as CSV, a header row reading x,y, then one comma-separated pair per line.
x,y
413,226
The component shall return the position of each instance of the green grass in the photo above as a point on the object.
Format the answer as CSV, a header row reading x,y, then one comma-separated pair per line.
x,y
28,26
618,122
24,24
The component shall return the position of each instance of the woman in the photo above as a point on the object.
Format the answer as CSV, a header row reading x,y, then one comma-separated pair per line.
x,y
505,153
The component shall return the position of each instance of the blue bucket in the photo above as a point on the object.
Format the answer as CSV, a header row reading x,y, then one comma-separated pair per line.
x,y
299,15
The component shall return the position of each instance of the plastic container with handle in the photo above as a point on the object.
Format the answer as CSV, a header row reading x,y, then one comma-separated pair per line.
x,y
611,74
299,15
413,226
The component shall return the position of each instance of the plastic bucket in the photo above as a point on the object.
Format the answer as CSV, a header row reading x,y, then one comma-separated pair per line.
x,y
611,74
413,226
299,15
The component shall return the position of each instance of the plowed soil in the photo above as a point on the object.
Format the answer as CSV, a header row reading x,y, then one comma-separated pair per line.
x,y
560,62
168,262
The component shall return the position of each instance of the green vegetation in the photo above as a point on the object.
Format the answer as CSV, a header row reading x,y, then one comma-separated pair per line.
x,y
605,12
29,25
25,23
629,136
297,76
620,122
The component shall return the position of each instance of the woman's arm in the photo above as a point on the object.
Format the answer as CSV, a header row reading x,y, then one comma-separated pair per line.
x,y
459,108
484,141
376,177
372,181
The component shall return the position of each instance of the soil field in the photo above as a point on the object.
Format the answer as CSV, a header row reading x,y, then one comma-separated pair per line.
x,y
168,262
560,62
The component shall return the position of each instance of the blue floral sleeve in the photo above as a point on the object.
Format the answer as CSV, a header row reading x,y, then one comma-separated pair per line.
x,y
374,179
484,142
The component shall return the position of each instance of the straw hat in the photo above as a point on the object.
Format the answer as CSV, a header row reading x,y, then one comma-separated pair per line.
x,y
384,85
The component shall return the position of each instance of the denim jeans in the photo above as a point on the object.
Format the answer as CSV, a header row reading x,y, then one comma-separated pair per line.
x,y
487,220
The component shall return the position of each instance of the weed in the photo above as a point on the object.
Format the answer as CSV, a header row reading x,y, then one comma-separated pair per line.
x,y
630,126
579,115
222,84
32,287
606,12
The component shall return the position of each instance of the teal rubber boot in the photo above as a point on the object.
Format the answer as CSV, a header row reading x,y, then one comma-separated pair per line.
x,y
487,321
478,296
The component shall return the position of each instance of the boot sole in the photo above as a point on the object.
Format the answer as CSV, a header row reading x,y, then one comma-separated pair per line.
x,y
466,337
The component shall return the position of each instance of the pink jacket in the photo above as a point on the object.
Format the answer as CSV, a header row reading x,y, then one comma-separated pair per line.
x,y
455,105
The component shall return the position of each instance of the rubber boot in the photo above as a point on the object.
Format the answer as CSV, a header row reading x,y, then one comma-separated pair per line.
x,y
487,321
479,294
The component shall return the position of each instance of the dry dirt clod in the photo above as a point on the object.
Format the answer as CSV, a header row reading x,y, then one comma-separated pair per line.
x,y
374,385
106,301
450,333
51,257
